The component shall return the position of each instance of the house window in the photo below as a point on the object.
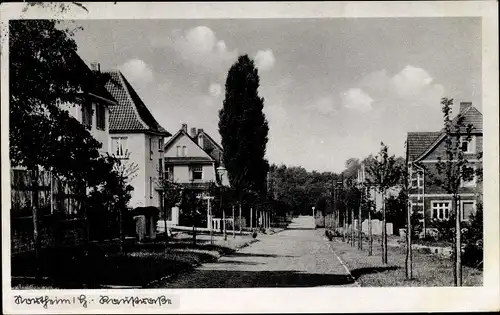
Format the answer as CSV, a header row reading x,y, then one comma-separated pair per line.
x,y
197,172
119,146
441,210
468,146
100,116
160,145
178,150
470,183
151,187
87,115
169,172
466,209
184,151
151,148
160,167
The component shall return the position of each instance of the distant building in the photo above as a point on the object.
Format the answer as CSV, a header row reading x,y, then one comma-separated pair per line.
x,y
191,159
430,201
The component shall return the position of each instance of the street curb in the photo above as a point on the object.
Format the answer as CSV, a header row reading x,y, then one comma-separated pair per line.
x,y
343,265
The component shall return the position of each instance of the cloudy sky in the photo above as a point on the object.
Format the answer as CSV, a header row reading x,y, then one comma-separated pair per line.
x,y
333,88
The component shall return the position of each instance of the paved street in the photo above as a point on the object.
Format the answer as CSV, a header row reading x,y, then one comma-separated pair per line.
x,y
297,257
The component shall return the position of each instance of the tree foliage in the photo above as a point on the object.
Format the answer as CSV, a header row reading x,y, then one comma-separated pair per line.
x,y
244,128
46,73
294,189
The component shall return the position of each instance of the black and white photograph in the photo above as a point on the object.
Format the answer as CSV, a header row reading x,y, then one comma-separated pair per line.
x,y
161,154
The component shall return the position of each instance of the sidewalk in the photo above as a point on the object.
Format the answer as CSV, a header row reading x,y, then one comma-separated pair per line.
x,y
428,269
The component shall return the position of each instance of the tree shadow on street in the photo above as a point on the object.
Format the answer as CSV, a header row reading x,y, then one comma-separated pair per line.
x,y
255,279
239,254
300,229
356,273
237,262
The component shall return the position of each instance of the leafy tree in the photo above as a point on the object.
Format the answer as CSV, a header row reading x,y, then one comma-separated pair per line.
x,y
244,129
191,207
473,237
452,171
45,73
383,173
170,196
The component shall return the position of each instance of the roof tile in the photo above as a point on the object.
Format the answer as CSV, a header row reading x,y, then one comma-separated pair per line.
x,y
131,114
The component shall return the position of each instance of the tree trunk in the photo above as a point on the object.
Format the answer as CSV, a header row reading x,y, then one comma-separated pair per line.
x,y
345,225
34,209
360,229
239,220
353,238
409,267
234,232
224,222
458,245
384,230
370,236
164,206
251,218
121,229
194,234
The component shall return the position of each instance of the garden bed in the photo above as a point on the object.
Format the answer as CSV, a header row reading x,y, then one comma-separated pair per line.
x,y
428,269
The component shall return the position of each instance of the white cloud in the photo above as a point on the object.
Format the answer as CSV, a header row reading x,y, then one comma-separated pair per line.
x,y
411,86
215,89
324,105
410,81
137,71
357,99
264,60
200,47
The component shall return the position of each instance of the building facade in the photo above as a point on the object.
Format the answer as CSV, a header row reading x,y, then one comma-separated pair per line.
x,y
137,139
424,149
191,159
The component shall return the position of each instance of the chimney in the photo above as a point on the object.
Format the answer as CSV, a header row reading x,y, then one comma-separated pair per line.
x,y
95,66
464,106
193,132
200,130
184,128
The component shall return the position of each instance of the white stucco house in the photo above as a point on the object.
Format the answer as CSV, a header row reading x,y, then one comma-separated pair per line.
x,y
136,137
191,159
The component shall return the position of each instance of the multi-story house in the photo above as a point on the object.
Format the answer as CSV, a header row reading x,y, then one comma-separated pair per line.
x,y
137,138
429,200
192,159
54,195
94,115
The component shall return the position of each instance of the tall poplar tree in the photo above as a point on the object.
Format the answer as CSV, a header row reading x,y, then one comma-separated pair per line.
x,y
243,128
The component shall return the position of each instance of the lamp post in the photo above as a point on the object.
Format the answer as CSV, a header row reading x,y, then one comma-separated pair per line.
x,y
221,171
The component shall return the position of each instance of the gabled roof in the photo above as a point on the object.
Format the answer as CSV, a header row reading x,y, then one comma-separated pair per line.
x,y
210,146
419,144
131,114
91,82
170,142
